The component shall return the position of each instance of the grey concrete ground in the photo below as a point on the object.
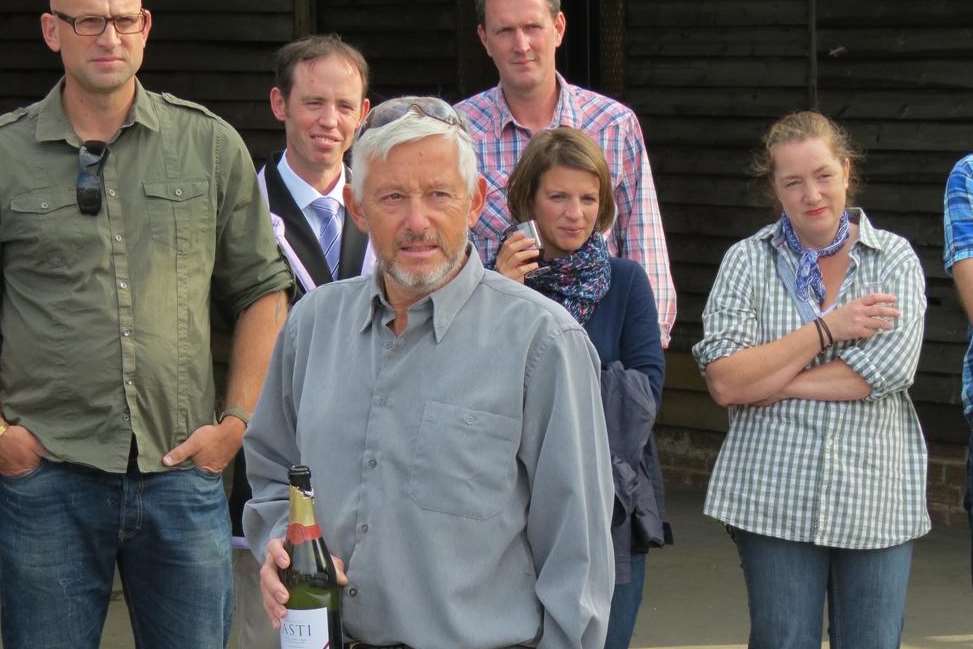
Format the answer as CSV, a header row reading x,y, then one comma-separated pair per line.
x,y
695,597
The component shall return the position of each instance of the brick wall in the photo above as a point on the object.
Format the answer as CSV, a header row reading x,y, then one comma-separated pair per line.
x,y
946,483
688,456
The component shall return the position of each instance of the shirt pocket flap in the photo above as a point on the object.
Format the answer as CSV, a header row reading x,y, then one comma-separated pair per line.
x,y
43,201
176,191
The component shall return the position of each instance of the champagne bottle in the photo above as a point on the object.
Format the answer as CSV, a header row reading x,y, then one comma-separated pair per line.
x,y
313,619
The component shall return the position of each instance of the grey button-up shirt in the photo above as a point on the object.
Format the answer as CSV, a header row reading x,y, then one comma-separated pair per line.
x,y
461,469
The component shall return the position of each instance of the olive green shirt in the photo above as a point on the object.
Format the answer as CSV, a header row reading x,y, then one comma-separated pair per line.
x,y
105,319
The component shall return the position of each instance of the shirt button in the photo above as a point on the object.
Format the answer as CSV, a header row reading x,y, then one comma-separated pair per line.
x,y
178,191
129,382
372,463
111,192
125,417
352,592
389,346
44,205
118,237
123,284
470,419
364,528
126,332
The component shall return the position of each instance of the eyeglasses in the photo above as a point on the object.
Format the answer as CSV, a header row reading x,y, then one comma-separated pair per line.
x,y
96,25
393,109
91,159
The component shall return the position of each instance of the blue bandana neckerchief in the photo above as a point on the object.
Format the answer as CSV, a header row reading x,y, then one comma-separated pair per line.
x,y
577,281
808,272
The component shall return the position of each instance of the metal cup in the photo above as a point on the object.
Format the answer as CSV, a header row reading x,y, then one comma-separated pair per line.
x,y
529,228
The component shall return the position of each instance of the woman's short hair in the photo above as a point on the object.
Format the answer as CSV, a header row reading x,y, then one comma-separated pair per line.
x,y
797,127
559,147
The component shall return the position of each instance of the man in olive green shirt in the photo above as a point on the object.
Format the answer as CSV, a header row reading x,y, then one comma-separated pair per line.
x,y
122,213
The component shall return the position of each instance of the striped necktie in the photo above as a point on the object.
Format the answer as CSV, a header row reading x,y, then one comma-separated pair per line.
x,y
327,210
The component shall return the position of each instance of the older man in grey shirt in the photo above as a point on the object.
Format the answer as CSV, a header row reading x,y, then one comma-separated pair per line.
x,y
451,418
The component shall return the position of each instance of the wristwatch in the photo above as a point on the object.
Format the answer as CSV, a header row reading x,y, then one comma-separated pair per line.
x,y
233,411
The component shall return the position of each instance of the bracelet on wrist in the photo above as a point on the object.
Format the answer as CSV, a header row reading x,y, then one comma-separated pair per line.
x,y
3,427
817,325
827,330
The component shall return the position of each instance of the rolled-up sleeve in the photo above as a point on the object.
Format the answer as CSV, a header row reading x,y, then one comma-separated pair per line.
x,y
248,263
958,214
270,447
730,317
565,452
888,360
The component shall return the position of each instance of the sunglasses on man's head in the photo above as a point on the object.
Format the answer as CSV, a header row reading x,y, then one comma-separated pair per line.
x,y
91,159
392,109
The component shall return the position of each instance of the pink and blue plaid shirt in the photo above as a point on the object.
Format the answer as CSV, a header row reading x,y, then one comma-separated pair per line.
x,y
637,232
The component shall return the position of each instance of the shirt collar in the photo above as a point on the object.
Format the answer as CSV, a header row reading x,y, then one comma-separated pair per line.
x,y
53,123
303,193
446,301
565,112
866,231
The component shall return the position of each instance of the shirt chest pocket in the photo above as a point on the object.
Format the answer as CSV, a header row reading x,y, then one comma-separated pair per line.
x,y
464,462
47,226
179,213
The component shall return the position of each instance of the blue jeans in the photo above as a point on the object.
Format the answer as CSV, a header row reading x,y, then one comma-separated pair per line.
x,y
787,583
625,606
63,527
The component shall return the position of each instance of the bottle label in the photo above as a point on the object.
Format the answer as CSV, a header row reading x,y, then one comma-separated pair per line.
x,y
305,629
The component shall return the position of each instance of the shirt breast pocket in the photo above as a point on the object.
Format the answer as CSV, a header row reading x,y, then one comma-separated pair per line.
x,y
47,226
179,213
465,461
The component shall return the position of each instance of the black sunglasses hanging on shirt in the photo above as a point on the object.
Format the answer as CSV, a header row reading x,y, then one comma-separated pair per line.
x,y
91,159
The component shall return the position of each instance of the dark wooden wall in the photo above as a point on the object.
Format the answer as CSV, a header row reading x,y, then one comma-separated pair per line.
x,y
411,47
707,79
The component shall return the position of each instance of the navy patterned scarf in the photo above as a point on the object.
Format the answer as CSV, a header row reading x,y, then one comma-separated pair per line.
x,y
808,272
577,281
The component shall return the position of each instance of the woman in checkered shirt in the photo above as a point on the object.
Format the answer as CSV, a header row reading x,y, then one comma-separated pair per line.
x,y
811,338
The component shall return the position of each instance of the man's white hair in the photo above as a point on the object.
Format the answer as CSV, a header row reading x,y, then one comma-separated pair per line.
x,y
375,143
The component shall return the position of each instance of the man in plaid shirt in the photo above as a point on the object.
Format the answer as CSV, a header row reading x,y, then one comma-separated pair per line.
x,y
958,255
521,36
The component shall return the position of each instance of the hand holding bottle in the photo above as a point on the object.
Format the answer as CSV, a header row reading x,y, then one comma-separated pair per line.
x,y
272,589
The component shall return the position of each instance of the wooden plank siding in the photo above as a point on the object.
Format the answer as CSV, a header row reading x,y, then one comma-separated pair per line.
x,y
411,47
707,79
898,77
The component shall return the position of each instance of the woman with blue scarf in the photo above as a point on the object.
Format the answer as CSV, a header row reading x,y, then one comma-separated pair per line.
x,y
811,338
562,183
